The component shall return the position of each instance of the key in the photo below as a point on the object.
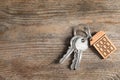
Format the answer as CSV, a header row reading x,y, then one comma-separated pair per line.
x,y
80,46
70,50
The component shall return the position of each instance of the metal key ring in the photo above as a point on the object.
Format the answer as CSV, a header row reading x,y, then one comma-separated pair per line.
x,y
86,31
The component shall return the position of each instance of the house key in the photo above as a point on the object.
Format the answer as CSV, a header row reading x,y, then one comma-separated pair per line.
x,y
80,45
71,48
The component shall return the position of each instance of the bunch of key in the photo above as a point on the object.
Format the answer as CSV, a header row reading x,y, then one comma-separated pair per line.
x,y
78,44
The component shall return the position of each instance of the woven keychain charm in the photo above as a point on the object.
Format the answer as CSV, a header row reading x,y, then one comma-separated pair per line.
x,y
102,44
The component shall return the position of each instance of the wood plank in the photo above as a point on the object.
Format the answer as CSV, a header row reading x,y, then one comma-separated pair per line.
x,y
34,34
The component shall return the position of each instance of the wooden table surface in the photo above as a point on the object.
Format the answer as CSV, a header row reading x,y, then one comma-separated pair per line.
x,y
34,35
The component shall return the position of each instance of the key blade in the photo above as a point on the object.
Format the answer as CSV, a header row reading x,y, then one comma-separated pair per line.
x,y
79,57
70,50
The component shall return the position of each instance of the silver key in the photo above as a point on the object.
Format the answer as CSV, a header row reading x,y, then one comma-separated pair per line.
x,y
80,46
70,50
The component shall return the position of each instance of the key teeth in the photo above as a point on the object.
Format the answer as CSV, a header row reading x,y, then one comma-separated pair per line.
x,y
77,67
72,66
74,61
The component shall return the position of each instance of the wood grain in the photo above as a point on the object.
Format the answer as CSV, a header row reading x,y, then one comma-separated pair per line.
x,y
34,34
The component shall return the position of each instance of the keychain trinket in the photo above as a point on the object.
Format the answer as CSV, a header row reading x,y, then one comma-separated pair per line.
x,y
102,44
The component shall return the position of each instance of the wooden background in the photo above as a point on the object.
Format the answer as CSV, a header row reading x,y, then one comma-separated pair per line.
x,y
34,34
